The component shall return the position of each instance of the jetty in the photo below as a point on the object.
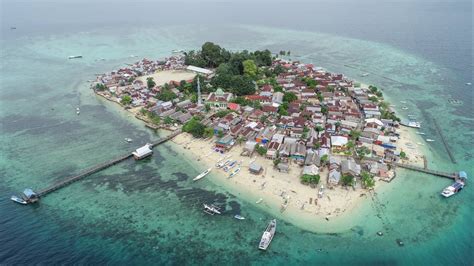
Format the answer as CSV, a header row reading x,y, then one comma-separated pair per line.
x,y
94,169
445,143
427,171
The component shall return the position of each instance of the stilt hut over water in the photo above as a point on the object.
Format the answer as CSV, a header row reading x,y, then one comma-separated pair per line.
x,y
30,196
142,152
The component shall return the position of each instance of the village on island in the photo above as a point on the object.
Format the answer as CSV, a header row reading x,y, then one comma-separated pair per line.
x,y
295,139
307,133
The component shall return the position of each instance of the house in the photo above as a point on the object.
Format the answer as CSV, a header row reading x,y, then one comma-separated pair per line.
x,y
219,99
255,168
278,97
233,106
334,176
250,147
310,170
142,152
225,143
272,151
283,167
350,167
338,142
200,70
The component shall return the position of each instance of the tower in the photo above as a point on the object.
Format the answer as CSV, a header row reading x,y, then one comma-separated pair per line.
x,y
199,92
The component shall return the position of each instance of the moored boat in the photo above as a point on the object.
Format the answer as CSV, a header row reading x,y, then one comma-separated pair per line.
x,y
267,235
203,174
453,189
430,140
234,172
239,217
18,200
211,209
413,124
74,56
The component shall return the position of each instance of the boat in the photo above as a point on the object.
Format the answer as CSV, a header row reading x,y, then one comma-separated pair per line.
x,y
234,172
238,217
413,124
222,164
420,133
404,108
74,56
19,200
321,192
211,209
430,140
468,83
453,189
230,166
365,74
177,51
13,28
203,174
267,235
128,140
259,201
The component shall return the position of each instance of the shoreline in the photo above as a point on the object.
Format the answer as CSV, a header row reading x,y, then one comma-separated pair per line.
x,y
274,187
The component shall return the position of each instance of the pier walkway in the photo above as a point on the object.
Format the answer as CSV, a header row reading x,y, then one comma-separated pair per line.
x,y
99,167
427,171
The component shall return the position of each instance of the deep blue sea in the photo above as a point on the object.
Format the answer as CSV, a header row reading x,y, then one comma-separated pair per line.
x,y
148,213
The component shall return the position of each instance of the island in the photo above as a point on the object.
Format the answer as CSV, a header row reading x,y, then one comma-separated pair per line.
x,y
286,135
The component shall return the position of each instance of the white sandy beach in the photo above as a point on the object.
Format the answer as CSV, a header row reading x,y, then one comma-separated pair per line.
x,y
305,209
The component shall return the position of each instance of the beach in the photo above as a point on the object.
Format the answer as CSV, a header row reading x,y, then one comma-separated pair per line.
x,y
305,209
166,76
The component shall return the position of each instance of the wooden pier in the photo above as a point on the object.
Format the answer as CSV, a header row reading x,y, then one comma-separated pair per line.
x,y
427,171
97,168
445,143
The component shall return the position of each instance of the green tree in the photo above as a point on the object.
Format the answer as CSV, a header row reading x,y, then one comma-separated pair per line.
x,y
100,87
150,83
220,134
261,150
126,100
324,109
289,97
367,179
166,95
355,134
194,127
276,161
347,180
208,132
318,128
310,179
168,120
222,113
403,155
324,159
250,68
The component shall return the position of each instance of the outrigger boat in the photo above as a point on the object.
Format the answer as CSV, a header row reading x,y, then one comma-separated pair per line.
x,y
211,209
430,140
222,164
230,166
19,200
234,172
203,174
267,235
420,133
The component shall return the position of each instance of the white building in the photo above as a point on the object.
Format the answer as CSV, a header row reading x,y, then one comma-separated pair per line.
x,y
142,152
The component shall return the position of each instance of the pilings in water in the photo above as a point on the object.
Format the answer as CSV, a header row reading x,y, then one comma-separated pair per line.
x,y
97,168
445,143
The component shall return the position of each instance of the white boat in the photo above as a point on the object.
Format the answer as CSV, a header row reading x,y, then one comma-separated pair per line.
x,y
267,235
453,189
18,200
222,164
365,74
211,209
234,172
412,124
78,112
259,201
404,108
238,217
128,140
321,192
74,56
203,174
420,133
430,140
468,83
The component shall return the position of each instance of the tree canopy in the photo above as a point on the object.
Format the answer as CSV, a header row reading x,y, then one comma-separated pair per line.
x,y
150,83
126,99
310,179
289,97
194,127
250,68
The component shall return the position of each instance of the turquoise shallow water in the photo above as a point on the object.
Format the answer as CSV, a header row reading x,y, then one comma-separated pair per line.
x,y
149,212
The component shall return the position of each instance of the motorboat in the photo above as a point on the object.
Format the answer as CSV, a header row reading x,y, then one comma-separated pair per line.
x,y
430,140
267,235
239,217
453,189
128,140
203,174
321,192
74,56
19,200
